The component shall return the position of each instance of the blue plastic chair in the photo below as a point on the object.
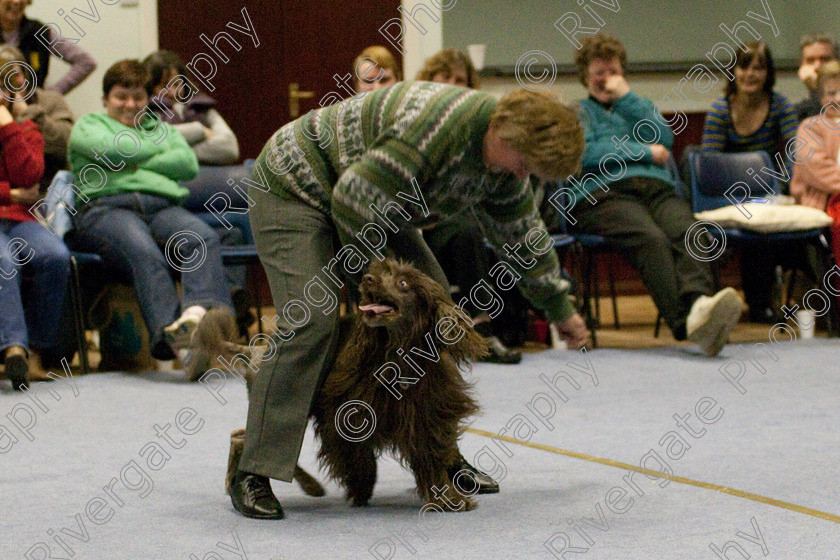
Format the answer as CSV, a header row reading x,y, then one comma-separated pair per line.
x,y
55,215
713,174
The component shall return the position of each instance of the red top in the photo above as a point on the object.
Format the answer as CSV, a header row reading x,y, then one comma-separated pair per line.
x,y
21,166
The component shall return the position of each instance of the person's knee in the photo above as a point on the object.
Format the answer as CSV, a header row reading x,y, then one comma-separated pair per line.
x,y
653,238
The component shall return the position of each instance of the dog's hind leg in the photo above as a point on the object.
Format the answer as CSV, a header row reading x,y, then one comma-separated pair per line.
x,y
308,483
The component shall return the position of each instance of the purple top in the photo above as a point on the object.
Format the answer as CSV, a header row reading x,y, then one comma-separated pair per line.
x,y
81,62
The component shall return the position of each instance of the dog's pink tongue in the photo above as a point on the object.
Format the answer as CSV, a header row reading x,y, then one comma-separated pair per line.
x,y
376,308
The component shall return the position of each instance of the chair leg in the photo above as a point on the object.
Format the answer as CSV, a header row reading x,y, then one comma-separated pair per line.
x,y
78,314
596,288
612,293
658,325
586,265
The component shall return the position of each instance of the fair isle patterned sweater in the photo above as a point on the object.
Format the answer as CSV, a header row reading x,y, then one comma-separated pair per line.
x,y
420,145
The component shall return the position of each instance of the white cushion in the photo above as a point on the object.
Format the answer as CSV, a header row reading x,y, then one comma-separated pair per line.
x,y
767,217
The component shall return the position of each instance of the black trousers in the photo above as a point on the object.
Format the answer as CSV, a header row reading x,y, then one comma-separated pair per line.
x,y
646,221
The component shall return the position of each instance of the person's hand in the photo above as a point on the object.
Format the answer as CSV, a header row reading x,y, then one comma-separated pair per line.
x,y
617,87
25,197
574,332
660,154
808,75
5,116
19,105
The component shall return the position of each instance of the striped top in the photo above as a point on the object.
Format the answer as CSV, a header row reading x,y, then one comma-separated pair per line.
x,y
778,128
413,140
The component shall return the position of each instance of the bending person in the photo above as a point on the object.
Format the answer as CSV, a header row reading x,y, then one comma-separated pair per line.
x,y
399,158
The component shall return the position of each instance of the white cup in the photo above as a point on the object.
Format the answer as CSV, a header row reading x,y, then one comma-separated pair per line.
x,y
476,53
806,320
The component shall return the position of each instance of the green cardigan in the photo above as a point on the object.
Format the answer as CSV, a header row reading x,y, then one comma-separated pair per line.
x,y
150,169
371,150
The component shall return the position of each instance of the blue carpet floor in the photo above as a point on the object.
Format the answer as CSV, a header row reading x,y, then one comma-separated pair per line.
x,y
646,454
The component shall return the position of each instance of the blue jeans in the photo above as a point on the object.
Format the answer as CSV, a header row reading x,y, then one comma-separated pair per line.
x,y
128,231
46,262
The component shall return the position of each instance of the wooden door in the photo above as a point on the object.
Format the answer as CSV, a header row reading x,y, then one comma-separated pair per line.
x,y
300,42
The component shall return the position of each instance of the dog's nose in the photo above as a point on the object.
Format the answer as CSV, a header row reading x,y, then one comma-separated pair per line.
x,y
367,279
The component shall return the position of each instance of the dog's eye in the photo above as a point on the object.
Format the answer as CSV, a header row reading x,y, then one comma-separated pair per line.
x,y
403,285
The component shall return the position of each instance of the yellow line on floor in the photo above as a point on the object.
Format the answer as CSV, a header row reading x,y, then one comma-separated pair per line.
x,y
681,479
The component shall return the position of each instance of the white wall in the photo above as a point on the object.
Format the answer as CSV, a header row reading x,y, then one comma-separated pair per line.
x,y
127,29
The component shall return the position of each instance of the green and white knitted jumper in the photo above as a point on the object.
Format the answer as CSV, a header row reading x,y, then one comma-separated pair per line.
x,y
418,146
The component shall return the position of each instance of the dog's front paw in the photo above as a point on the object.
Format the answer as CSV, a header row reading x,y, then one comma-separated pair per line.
x,y
359,497
449,499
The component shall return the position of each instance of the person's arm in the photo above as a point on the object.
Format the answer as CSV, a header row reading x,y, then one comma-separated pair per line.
x,y
821,170
714,130
788,123
599,143
508,216
94,134
54,119
220,147
22,151
175,159
636,109
82,64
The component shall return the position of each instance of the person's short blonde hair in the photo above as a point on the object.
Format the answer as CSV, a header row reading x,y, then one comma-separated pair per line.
x,y
447,61
828,70
382,57
547,132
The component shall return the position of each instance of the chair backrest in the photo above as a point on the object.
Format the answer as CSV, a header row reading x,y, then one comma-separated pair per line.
x,y
713,175
52,212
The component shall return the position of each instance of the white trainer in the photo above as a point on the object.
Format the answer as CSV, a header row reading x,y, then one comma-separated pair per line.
x,y
712,318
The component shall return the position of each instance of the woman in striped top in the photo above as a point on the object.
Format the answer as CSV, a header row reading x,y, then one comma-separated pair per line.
x,y
752,117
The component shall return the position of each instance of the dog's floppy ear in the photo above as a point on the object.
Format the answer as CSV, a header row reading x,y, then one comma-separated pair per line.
x,y
454,329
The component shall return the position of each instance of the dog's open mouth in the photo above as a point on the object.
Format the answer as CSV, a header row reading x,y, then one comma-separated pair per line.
x,y
372,310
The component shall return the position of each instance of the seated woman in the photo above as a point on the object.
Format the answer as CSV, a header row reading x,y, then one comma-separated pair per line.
x,y
816,182
130,207
631,200
197,120
46,108
375,67
26,247
450,66
458,244
752,117
37,47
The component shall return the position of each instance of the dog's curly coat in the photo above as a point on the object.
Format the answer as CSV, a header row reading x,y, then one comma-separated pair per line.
x,y
404,312
401,310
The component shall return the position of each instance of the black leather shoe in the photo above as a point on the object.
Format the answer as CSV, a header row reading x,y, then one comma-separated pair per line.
x,y
17,370
501,354
466,484
251,496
